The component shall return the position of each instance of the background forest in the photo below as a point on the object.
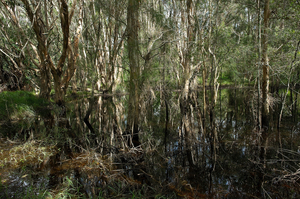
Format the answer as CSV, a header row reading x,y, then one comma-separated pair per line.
x,y
168,62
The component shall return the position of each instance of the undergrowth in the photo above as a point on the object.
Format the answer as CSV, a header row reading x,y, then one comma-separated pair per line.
x,y
16,105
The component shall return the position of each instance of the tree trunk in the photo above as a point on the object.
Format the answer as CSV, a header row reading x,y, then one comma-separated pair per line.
x,y
41,28
59,92
45,82
265,92
259,66
204,100
265,80
133,56
187,18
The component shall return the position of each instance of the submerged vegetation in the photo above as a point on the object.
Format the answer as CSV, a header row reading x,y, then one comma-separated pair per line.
x,y
22,162
67,158
149,99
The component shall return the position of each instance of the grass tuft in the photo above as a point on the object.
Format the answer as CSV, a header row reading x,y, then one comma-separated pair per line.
x,y
19,105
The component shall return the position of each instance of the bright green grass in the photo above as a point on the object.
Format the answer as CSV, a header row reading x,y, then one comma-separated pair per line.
x,y
19,105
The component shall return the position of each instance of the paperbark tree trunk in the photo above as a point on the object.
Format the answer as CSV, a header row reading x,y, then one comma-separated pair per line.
x,y
133,56
187,19
69,49
45,82
265,79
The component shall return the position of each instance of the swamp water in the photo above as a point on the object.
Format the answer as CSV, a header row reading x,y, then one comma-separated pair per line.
x,y
84,154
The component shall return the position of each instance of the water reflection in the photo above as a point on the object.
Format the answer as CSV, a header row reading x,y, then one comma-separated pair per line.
x,y
178,155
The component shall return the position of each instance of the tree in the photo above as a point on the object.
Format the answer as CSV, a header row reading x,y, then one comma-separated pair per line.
x,y
265,65
134,64
103,35
43,22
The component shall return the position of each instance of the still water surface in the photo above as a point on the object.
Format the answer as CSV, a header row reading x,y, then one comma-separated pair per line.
x,y
84,152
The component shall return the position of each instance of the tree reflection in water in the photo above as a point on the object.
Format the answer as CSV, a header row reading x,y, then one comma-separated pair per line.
x,y
92,157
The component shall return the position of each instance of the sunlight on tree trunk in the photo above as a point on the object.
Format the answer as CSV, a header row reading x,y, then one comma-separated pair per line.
x,y
265,79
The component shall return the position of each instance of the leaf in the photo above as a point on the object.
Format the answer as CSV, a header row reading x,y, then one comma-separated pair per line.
x,y
24,176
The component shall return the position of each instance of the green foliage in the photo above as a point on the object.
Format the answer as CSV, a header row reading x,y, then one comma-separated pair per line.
x,y
19,105
227,78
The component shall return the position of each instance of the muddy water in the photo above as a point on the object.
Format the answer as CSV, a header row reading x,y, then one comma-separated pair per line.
x,y
84,153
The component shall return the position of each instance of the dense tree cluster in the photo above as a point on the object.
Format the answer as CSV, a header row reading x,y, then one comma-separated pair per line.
x,y
141,46
171,58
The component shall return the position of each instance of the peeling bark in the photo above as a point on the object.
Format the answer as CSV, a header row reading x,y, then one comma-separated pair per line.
x,y
265,79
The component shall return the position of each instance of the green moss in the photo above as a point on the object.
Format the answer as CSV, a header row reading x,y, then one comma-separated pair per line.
x,y
19,105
